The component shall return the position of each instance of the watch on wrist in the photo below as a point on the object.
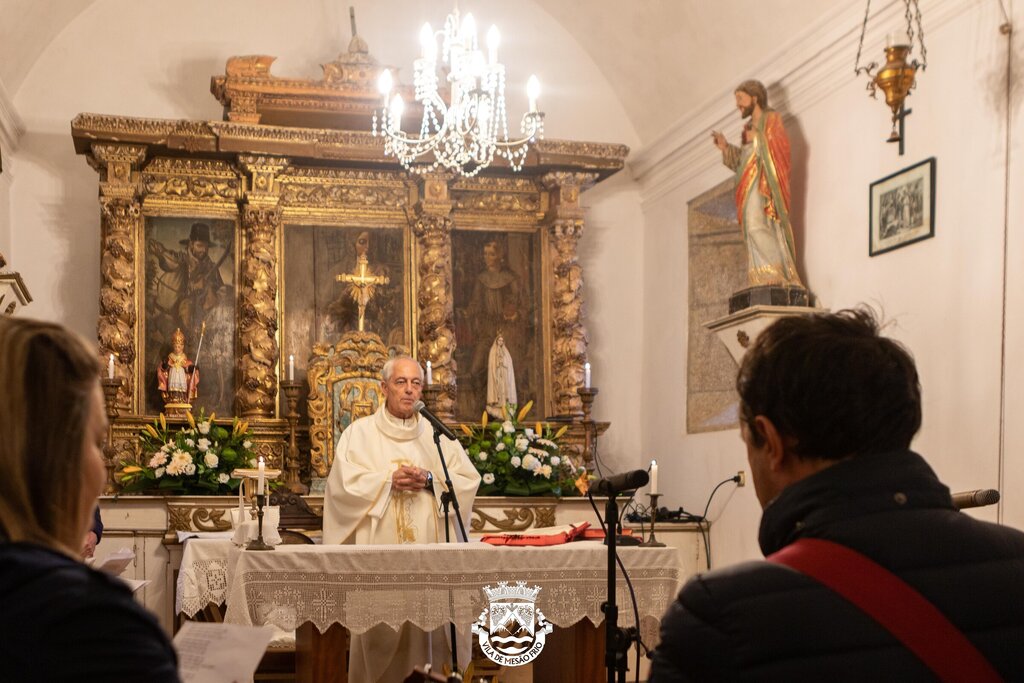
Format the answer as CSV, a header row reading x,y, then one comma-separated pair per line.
x,y
430,481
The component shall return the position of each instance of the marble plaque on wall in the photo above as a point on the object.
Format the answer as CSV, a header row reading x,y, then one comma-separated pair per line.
x,y
717,267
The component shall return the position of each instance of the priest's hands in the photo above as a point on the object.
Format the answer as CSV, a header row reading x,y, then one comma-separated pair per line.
x,y
409,478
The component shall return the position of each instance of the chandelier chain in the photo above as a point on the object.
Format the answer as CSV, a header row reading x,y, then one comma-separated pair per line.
x,y
857,68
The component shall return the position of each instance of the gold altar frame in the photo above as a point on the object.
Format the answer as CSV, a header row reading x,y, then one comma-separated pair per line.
x,y
291,171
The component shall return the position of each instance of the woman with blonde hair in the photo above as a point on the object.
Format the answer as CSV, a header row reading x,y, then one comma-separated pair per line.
x,y
62,620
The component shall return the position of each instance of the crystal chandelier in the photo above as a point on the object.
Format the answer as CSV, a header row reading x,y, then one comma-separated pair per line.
x,y
471,129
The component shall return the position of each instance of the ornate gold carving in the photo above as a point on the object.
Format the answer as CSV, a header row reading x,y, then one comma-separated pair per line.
x,y
258,316
210,519
436,329
516,519
357,359
179,518
202,179
568,335
122,221
355,196
496,195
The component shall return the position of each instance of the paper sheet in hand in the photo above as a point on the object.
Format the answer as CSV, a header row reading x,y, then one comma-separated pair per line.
x,y
216,653
116,562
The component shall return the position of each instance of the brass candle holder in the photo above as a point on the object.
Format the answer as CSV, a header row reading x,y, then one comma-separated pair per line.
x,y
652,541
431,392
292,480
587,395
110,388
258,543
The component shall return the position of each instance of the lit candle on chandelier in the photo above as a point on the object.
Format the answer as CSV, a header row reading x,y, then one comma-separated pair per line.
x,y
110,367
586,375
430,373
654,477
260,482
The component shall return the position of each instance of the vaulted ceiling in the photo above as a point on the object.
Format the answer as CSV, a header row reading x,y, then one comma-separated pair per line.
x,y
663,57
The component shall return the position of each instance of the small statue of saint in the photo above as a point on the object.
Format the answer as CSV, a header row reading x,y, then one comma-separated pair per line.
x,y
501,378
177,377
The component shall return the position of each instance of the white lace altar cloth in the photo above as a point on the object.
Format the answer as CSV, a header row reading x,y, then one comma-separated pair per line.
x,y
431,585
203,577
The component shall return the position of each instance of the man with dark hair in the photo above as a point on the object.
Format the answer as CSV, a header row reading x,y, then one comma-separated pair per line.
x,y
828,408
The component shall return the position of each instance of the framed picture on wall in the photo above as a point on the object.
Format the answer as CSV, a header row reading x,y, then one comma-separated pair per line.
x,y
902,208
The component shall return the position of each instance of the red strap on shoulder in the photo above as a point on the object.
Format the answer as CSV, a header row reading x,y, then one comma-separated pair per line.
x,y
894,604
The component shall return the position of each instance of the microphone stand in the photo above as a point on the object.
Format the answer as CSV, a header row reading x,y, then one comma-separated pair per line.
x,y
448,498
617,640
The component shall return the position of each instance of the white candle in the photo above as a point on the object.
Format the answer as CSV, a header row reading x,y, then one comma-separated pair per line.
x,y
586,375
291,368
260,481
654,477
430,373
110,367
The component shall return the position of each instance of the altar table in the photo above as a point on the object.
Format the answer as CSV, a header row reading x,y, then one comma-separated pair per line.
x,y
359,587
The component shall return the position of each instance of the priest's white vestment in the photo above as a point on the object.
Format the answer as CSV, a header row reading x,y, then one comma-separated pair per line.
x,y
360,507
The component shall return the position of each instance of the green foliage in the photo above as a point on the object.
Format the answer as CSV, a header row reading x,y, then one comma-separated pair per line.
x,y
198,458
519,460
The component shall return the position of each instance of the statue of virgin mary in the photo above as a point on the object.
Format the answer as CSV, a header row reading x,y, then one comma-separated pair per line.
x,y
501,379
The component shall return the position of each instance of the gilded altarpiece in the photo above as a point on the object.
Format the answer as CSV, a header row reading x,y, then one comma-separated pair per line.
x,y
289,208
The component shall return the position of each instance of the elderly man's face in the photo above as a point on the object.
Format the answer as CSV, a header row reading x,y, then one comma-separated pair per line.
x,y
403,389
745,103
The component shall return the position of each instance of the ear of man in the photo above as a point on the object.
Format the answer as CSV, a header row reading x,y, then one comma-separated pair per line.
x,y
776,447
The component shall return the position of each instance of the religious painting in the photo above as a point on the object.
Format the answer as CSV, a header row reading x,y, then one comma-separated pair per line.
x,y
325,285
189,275
496,282
902,208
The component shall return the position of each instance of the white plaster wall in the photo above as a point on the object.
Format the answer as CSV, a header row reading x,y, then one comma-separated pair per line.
x,y
155,60
943,295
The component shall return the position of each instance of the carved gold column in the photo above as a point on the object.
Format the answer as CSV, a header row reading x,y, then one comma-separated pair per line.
x,y
568,333
436,329
257,308
121,227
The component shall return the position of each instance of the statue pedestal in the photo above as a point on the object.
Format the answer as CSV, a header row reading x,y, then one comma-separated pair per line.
x,y
739,329
769,295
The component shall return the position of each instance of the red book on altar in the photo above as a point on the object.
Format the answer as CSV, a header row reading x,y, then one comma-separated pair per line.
x,y
552,535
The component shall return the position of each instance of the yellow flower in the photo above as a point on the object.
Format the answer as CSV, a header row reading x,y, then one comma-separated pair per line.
x,y
561,431
213,416
524,411
539,431
191,420
163,422
131,469
466,430
152,432
483,420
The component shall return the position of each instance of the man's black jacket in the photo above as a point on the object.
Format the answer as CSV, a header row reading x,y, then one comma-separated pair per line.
x,y
759,621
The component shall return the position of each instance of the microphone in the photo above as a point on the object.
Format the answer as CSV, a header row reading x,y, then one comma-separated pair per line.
x,y
617,483
439,427
976,498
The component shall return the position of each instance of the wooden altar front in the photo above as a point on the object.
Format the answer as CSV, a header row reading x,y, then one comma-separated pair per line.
x,y
292,168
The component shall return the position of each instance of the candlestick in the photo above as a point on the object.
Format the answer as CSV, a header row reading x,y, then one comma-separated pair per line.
x,y
260,482
291,393
586,375
110,387
241,502
651,541
110,367
291,368
430,373
258,543
654,477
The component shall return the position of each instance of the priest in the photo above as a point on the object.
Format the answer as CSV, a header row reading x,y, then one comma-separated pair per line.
x,y
385,487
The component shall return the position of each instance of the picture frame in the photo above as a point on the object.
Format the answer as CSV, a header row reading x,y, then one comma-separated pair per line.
x,y
902,208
